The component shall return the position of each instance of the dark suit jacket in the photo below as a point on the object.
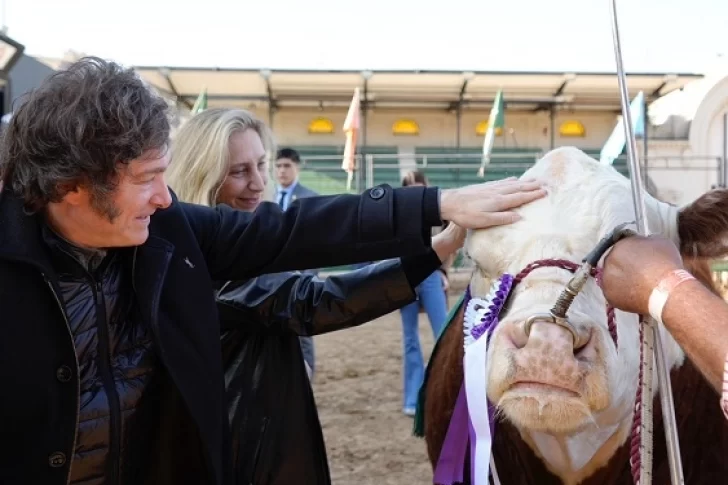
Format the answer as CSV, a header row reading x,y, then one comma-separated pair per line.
x,y
301,192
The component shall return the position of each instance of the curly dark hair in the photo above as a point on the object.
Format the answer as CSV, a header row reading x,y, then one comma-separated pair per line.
x,y
75,130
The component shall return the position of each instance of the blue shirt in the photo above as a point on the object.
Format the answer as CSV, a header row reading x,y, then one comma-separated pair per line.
x,y
289,194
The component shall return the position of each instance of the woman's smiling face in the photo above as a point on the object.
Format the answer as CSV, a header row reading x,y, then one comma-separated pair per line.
x,y
247,175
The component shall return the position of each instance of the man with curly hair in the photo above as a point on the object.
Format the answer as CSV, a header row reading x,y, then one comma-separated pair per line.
x,y
109,335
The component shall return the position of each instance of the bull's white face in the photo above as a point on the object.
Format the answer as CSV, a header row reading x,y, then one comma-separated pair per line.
x,y
568,403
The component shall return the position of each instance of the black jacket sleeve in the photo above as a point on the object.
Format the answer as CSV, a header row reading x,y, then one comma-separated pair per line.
x,y
315,232
308,305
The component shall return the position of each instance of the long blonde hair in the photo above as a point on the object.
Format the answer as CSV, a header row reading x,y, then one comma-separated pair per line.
x,y
201,153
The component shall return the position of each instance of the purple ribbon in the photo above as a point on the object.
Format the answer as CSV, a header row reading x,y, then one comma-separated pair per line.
x,y
460,433
451,462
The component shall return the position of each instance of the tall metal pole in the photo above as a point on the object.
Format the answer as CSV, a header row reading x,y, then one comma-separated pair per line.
x,y
645,150
651,330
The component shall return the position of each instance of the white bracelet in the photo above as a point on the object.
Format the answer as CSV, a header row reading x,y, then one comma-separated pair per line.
x,y
659,295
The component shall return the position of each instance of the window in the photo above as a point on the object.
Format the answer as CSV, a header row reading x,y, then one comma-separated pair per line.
x,y
320,126
482,127
405,127
572,128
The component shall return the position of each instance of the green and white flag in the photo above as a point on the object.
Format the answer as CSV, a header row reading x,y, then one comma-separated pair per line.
x,y
496,120
201,103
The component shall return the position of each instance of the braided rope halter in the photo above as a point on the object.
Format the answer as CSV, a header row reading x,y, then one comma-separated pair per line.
x,y
635,451
481,318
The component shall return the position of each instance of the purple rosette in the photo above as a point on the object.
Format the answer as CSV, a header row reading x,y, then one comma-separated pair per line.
x,y
451,463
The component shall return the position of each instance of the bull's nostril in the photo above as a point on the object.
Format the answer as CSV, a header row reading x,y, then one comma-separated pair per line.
x,y
515,334
582,343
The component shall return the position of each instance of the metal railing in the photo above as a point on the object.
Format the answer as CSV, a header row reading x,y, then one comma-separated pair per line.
x,y
712,167
323,172
462,167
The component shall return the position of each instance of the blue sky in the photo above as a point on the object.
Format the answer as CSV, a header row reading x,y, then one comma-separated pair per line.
x,y
657,35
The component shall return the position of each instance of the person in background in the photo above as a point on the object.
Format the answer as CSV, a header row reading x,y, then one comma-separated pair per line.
x,y
288,189
431,295
287,169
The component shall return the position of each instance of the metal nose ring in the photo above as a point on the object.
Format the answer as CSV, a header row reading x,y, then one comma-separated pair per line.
x,y
550,318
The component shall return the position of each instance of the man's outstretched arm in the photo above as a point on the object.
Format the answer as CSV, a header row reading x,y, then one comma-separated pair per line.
x,y
315,232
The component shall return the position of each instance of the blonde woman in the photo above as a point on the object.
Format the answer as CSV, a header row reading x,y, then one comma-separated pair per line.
x,y
221,156
203,158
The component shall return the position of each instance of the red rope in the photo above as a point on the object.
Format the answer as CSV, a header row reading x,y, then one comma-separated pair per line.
x,y
635,456
544,263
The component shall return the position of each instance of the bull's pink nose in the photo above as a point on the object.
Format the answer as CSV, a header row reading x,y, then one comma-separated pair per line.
x,y
545,332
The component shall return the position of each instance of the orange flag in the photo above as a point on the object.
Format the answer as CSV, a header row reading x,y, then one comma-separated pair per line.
x,y
351,128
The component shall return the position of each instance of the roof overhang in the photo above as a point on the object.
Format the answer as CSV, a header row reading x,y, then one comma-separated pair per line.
x,y
10,53
414,89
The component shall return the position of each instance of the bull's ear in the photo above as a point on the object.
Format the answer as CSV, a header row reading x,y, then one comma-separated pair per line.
x,y
703,225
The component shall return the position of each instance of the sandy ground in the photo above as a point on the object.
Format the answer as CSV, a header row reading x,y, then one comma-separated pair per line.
x,y
358,388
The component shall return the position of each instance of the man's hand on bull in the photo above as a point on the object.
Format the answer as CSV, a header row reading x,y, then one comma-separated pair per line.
x,y
488,204
643,275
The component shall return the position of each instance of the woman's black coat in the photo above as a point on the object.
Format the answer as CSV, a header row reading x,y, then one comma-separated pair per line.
x,y
277,438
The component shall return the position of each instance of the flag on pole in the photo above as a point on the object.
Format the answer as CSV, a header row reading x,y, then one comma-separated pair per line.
x,y
201,102
351,128
616,142
495,122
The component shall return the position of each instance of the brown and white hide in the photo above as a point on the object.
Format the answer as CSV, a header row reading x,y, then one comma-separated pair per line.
x,y
700,231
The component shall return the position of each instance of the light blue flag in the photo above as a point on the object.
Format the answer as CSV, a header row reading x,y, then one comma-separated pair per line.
x,y
615,143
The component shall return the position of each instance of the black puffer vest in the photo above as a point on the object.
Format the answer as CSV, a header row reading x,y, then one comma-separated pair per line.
x,y
116,361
